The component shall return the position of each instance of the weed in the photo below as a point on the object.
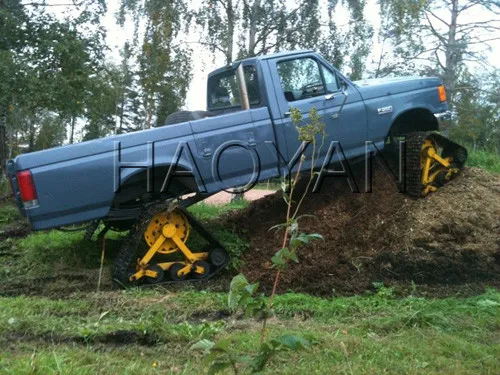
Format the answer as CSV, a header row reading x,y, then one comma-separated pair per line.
x,y
8,214
484,159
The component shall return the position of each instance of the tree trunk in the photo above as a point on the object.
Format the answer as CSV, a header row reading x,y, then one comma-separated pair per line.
x,y
3,126
452,53
252,30
72,133
31,135
3,141
230,31
120,120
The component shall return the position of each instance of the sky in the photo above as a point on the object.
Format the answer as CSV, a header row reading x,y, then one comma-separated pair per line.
x,y
204,62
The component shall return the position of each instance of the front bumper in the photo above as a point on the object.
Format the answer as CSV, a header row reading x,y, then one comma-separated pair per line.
x,y
444,120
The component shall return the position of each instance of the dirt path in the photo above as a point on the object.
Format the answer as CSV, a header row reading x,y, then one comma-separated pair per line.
x,y
224,197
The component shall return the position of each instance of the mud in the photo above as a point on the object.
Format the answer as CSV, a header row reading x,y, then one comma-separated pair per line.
x,y
449,238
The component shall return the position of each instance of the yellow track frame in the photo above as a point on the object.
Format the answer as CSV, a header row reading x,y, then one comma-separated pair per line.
x,y
432,165
167,233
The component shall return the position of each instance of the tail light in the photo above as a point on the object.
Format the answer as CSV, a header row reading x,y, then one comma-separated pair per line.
x,y
27,188
442,93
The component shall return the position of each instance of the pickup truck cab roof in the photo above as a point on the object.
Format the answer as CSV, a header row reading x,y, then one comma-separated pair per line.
x,y
253,60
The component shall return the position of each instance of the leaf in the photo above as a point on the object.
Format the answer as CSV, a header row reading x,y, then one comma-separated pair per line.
x,y
279,259
103,315
293,256
222,345
277,226
238,284
292,342
218,367
251,288
205,345
315,236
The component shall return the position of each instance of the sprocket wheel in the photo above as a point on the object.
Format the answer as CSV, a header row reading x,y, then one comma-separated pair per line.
x,y
161,219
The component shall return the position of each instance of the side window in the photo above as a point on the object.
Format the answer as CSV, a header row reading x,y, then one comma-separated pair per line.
x,y
330,80
224,89
300,79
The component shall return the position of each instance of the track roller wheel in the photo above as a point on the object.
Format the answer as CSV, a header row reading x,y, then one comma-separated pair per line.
x,y
204,267
157,244
174,272
431,161
160,274
218,257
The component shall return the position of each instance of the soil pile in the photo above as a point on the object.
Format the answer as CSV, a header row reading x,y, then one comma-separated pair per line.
x,y
450,237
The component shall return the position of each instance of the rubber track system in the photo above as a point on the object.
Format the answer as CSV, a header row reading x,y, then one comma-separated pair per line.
x,y
414,142
128,254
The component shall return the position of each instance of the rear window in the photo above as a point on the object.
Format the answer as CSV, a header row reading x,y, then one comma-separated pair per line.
x,y
224,90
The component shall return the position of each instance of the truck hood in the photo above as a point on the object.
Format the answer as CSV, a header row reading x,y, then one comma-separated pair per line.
x,y
377,87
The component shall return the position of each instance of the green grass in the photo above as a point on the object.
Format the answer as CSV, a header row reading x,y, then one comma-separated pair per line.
x,y
142,331
204,211
484,159
379,334
8,214
5,188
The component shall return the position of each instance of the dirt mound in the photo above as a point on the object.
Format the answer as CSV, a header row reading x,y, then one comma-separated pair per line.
x,y
449,237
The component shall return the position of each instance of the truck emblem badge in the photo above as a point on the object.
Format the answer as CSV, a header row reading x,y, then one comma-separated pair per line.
x,y
384,110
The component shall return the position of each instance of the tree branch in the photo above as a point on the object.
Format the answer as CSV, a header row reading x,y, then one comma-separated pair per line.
x,y
439,18
434,31
52,5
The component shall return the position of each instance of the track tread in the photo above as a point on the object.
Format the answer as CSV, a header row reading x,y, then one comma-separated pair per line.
x,y
414,141
413,176
128,254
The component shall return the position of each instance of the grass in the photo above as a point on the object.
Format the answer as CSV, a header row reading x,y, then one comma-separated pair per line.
x,y
484,159
151,331
204,211
379,334
8,214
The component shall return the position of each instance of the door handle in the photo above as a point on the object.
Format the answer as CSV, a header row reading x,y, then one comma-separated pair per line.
x,y
287,114
329,97
207,152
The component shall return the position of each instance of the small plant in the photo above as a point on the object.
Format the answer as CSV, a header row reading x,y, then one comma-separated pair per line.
x,y
244,295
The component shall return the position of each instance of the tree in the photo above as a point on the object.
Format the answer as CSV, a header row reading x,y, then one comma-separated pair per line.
x,y
44,66
265,26
129,109
478,111
164,65
438,35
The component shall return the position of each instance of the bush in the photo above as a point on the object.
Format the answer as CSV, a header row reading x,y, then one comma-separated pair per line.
x,y
484,159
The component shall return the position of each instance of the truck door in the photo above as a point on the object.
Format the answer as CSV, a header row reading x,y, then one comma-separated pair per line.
x,y
307,82
231,146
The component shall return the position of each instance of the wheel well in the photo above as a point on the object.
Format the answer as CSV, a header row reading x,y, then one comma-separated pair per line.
x,y
136,187
418,119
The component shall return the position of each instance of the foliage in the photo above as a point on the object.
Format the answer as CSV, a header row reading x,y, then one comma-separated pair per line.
x,y
243,295
163,64
436,36
484,159
477,104
259,27
48,67
395,335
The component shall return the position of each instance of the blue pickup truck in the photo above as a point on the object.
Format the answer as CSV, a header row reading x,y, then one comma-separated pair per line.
x,y
245,136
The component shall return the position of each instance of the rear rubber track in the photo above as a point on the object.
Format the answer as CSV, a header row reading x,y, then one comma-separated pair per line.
x,y
128,254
